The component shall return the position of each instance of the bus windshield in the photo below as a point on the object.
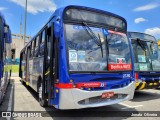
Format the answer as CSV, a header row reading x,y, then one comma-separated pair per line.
x,y
85,55
119,51
146,55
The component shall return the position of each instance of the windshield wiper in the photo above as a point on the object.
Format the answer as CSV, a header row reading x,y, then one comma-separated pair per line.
x,y
107,42
100,44
97,40
152,43
139,42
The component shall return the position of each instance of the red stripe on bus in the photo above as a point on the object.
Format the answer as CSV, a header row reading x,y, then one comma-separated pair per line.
x,y
88,85
80,85
64,86
136,76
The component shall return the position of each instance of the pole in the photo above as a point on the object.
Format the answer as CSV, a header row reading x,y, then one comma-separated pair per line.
x,y
25,22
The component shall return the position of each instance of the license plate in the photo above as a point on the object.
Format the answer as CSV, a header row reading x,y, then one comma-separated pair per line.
x,y
107,95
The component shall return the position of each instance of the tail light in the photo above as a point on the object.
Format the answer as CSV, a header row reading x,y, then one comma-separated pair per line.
x,y
136,76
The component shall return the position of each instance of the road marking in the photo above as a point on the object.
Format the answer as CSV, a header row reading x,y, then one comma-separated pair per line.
x,y
128,106
10,102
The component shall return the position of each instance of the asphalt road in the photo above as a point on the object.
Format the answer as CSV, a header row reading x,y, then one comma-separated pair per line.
x,y
21,98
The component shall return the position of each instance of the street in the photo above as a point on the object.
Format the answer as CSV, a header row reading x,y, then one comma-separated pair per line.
x,y
23,98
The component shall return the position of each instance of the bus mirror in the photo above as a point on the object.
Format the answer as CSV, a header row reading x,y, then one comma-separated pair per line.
x,y
57,28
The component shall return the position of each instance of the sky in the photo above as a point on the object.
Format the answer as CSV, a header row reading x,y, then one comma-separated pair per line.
x,y
141,15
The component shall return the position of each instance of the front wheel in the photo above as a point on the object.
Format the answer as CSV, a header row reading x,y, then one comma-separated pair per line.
x,y
42,101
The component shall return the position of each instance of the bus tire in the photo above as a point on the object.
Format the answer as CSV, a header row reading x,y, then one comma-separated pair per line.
x,y
10,73
22,82
42,101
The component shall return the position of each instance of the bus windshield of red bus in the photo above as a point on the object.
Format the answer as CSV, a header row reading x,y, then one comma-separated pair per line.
x,y
146,55
85,55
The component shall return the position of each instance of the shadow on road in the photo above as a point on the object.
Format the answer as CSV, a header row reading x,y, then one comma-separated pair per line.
x,y
141,96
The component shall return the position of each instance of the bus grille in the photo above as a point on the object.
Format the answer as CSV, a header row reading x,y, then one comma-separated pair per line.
x,y
99,99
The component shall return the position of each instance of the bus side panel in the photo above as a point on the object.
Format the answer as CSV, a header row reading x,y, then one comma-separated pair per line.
x,y
36,71
23,68
1,24
7,60
6,69
30,68
0,81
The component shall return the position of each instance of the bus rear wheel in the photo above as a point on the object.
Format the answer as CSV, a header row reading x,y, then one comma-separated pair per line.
x,y
42,101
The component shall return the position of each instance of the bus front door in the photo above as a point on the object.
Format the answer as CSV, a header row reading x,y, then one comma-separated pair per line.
x,y
50,59
27,66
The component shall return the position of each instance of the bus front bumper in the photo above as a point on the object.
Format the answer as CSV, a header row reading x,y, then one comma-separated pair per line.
x,y
146,85
77,98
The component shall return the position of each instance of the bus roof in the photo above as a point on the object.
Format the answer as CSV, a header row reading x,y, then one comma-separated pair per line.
x,y
2,17
141,36
59,12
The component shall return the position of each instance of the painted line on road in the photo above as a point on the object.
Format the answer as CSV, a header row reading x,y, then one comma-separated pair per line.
x,y
131,107
10,102
128,106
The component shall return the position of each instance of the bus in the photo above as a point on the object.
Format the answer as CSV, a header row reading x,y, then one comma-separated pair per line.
x,y
81,58
147,60
158,44
5,56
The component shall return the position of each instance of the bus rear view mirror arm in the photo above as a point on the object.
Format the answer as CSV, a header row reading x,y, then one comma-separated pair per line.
x,y
57,27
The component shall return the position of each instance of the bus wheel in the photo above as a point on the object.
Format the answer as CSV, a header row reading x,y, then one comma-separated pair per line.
x,y
23,83
42,101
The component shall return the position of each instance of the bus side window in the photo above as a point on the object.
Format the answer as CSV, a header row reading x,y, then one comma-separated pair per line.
x,y
42,43
32,48
22,60
36,47
24,55
30,51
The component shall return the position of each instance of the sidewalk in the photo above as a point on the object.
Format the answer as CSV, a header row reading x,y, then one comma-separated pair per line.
x,y
15,75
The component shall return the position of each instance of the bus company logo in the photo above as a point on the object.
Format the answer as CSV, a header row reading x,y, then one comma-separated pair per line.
x,y
102,84
119,66
91,84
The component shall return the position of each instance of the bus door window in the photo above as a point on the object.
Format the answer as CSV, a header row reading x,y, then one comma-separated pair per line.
x,y
32,49
42,43
48,47
36,52
29,53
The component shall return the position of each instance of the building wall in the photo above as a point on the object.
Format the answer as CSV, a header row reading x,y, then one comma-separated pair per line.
x,y
18,45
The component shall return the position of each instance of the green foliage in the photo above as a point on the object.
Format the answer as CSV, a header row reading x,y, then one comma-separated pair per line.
x,y
15,68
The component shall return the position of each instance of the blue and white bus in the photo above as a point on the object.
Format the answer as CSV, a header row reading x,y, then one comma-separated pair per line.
x,y
5,56
81,58
147,60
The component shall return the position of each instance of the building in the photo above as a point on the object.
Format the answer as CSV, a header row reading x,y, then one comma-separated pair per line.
x,y
17,45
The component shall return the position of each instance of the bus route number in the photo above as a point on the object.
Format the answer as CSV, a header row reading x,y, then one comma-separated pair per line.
x,y
126,75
